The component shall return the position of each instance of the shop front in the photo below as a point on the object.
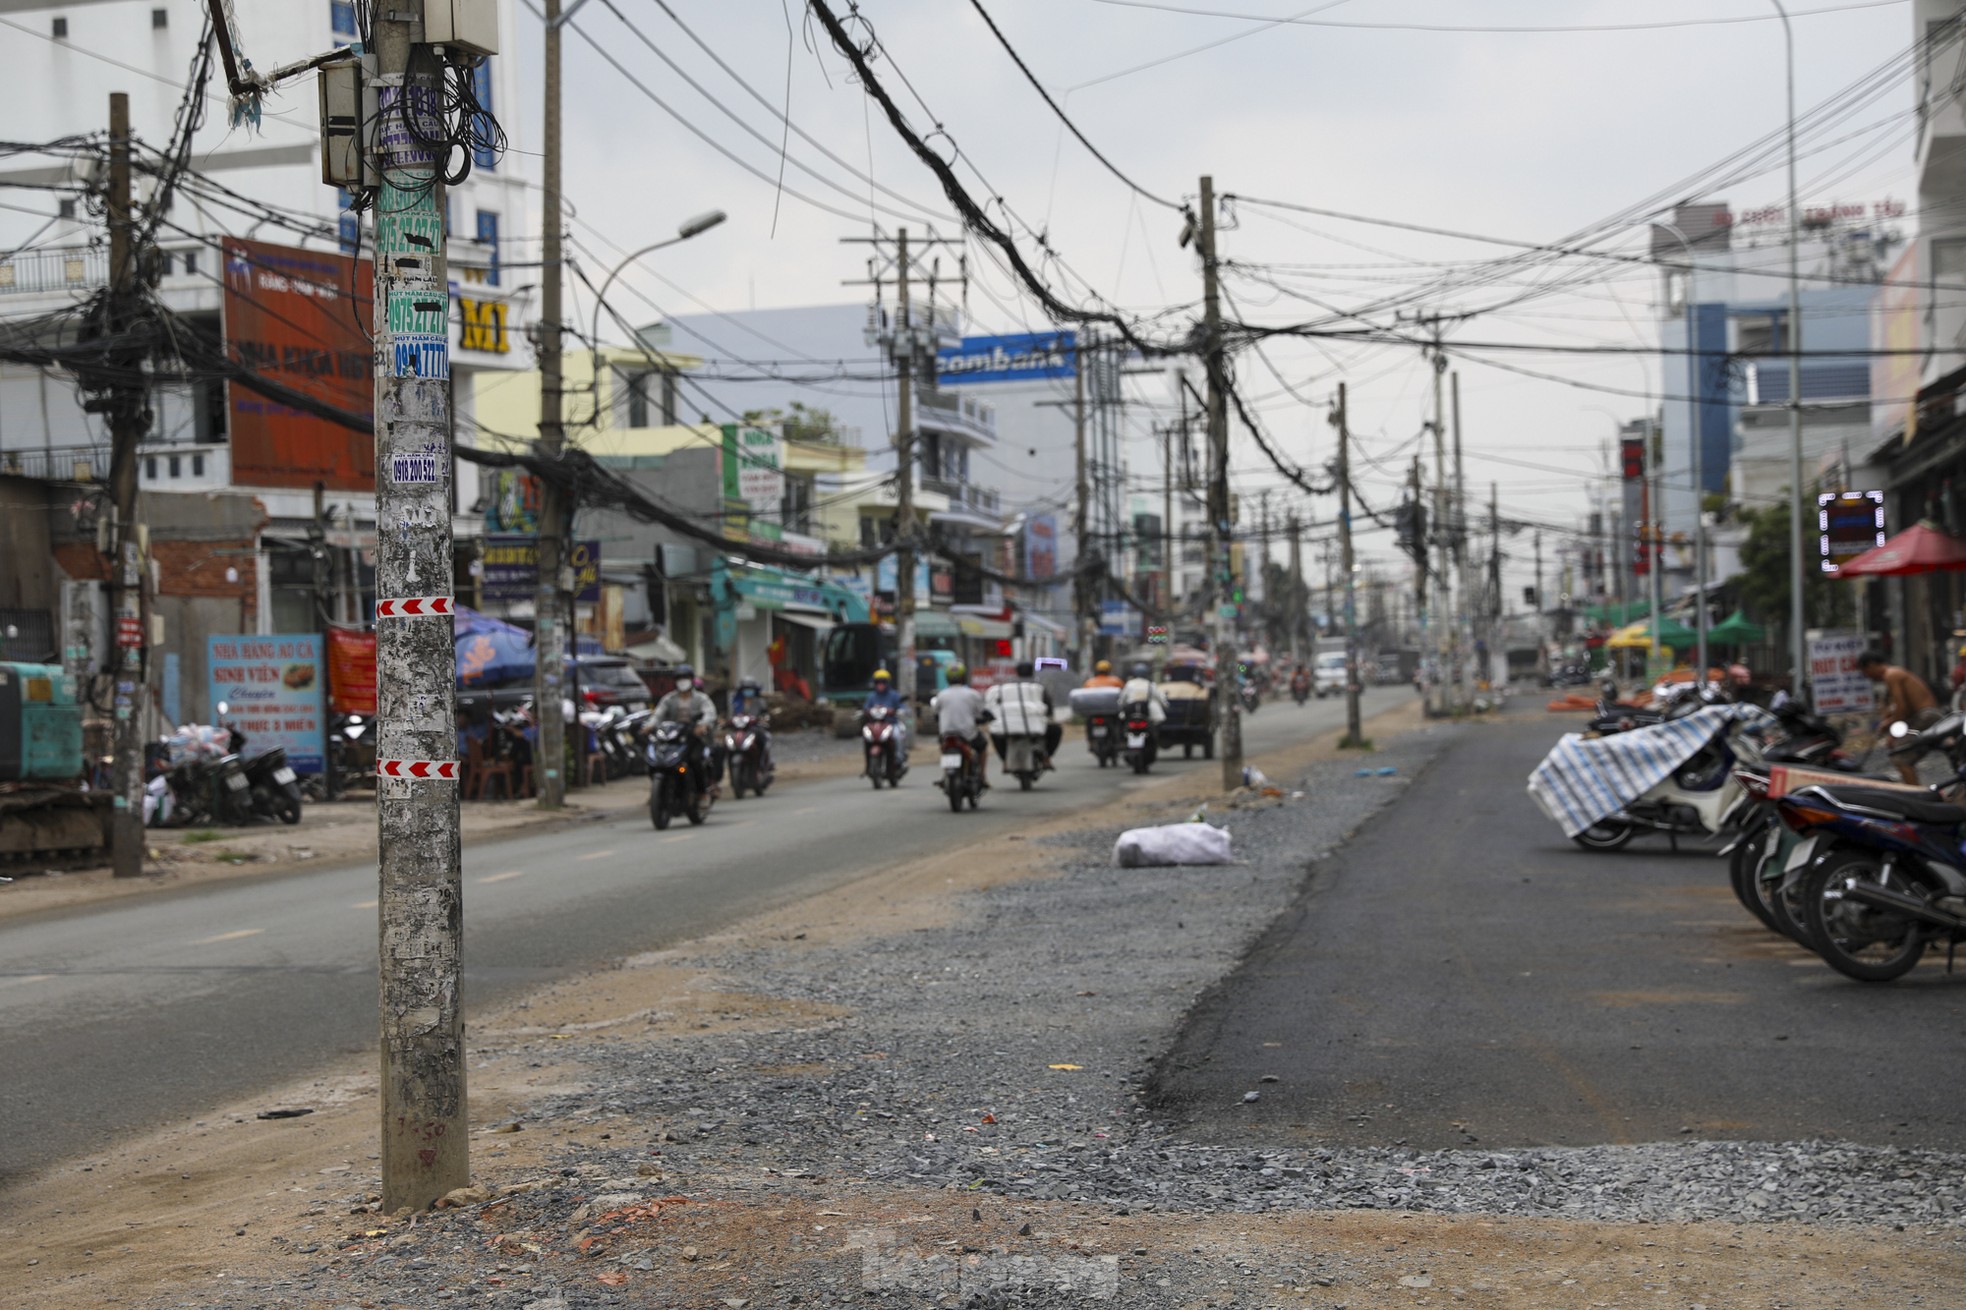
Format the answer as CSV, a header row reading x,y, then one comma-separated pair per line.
x,y
771,625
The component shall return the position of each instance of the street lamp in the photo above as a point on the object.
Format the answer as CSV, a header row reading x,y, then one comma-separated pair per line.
x,y
691,227
1796,650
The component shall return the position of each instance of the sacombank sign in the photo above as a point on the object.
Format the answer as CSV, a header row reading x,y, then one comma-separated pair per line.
x,y
1018,357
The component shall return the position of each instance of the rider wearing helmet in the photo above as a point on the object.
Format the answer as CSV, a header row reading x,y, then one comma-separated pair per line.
x,y
1140,688
1102,676
884,694
688,704
958,712
749,698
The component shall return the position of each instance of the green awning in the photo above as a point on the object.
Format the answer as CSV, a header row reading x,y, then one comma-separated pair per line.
x,y
1736,630
1618,615
935,625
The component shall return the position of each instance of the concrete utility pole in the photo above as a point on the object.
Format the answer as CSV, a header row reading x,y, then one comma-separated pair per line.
x,y
1422,610
1496,605
1218,496
1443,531
1081,508
1463,609
129,420
549,641
1798,641
1354,733
420,901
904,473
1167,602
1296,611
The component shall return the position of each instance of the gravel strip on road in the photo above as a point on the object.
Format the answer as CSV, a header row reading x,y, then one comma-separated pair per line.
x,y
1007,1055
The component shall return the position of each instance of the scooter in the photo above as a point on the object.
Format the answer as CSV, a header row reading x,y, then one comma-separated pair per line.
x,y
1142,744
880,736
1300,686
962,773
1694,798
1252,698
1102,734
748,756
675,787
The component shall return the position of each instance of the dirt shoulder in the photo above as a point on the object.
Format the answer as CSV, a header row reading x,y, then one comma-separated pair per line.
x,y
875,1091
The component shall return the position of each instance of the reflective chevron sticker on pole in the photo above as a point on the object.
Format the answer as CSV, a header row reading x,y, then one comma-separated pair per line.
x,y
413,607
445,769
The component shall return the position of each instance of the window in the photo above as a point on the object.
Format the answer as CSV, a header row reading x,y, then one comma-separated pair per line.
x,y
483,125
190,263
61,29
150,468
488,237
66,209
177,466
341,14
159,19
197,466
1761,335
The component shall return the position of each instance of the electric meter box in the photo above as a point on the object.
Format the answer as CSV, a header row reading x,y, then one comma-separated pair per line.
x,y
462,25
40,724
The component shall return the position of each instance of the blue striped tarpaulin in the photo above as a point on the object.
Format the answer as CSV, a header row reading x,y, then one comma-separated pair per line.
x,y
1584,779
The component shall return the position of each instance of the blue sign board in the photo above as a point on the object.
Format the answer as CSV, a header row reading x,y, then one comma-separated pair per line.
x,y
271,687
1018,357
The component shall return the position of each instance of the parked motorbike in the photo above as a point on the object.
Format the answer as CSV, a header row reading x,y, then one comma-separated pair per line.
x,y
676,784
962,772
274,787
624,731
1878,875
880,737
747,754
1694,798
1142,746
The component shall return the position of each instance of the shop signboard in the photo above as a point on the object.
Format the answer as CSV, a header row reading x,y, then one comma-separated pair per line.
x,y
1118,619
1041,546
272,690
1848,524
511,569
1015,357
754,467
301,319
1838,685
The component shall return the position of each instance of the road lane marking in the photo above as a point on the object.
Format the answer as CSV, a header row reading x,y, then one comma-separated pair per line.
x,y
681,836
232,936
502,877
810,809
32,977
595,855
363,905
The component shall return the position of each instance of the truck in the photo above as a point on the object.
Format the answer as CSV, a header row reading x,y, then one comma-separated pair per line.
x,y
47,809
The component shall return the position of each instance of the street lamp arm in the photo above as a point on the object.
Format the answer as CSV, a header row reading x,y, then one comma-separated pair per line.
x,y
694,227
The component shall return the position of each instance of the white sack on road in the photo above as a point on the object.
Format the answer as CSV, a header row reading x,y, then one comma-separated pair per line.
x,y
1175,843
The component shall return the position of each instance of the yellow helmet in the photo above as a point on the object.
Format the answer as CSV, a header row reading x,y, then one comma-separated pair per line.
x,y
882,675
1103,666
957,673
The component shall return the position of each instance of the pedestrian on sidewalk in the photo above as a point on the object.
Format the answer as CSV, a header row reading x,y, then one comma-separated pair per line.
x,y
1907,700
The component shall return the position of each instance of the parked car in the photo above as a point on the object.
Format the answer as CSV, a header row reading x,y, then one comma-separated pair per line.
x,y
609,680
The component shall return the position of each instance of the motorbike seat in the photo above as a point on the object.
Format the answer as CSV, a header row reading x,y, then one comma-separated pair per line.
x,y
1919,809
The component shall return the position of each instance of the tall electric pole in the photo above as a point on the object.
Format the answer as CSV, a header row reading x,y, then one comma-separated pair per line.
x,y
1167,603
1081,508
1354,732
420,899
1443,531
1218,496
549,644
1296,610
1463,676
904,473
129,420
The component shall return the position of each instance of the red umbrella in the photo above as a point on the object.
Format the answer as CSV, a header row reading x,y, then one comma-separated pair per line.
x,y
1918,549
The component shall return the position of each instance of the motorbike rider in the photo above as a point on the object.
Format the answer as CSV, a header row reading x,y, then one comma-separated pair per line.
x,y
958,708
690,706
1026,706
885,696
1102,676
749,698
1141,688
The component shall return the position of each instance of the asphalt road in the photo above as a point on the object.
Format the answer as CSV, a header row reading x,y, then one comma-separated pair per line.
x,y
1460,973
156,1008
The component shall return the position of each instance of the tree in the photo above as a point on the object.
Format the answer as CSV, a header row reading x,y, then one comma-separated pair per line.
x,y
807,423
1764,583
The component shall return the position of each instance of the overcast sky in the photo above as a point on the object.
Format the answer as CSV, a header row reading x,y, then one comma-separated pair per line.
x,y
1521,135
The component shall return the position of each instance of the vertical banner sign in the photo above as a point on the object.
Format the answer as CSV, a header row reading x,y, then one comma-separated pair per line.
x,y
351,671
298,317
272,690
1848,523
1838,685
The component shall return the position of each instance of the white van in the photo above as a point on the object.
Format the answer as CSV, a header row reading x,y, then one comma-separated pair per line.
x,y
1328,674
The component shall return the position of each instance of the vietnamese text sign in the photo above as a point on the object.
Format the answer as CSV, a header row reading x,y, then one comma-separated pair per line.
x,y
1016,357
760,469
1041,546
351,671
1839,687
1848,523
511,569
301,319
272,690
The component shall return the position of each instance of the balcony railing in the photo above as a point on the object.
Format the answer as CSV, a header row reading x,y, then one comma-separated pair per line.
x,y
61,268
61,464
1768,382
963,495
